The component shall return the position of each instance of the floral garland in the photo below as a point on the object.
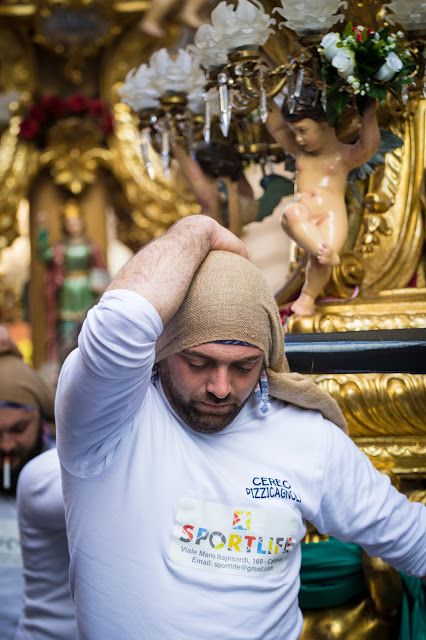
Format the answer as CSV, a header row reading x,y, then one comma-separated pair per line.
x,y
363,64
42,115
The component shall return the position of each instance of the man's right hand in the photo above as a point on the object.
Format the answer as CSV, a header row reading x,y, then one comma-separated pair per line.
x,y
163,270
224,240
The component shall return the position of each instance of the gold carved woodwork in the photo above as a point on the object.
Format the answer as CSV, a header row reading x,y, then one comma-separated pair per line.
x,y
18,163
386,417
393,309
74,153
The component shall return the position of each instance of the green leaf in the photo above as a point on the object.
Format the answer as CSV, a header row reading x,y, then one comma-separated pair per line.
x,y
331,91
378,92
348,30
335,105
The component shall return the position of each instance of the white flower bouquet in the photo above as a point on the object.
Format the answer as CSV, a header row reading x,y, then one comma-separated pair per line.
x,y
363,63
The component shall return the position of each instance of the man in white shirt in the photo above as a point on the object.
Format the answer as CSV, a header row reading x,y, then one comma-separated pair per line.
x,y
187,491
48,612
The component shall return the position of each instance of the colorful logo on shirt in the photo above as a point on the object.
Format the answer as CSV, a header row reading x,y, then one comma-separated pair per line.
x,y
217,537
242,520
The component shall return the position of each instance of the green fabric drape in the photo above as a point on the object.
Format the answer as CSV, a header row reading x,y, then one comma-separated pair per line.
x,y
275,187
331,574
413,613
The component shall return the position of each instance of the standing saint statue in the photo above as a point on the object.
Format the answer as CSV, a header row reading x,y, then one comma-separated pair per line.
x,y
76,275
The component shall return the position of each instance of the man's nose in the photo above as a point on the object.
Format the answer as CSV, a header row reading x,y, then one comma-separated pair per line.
x,y
7,442
219,382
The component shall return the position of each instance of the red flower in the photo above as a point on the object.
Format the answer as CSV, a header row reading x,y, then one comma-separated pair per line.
x,y
37,112
358,32
44,114
29,129
77,103
107,125
54,105
96,108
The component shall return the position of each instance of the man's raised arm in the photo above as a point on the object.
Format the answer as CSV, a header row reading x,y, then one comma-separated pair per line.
x,y
162,271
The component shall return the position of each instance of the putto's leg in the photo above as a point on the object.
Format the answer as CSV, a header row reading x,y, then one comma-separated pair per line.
x,y
327,255
297,223
189,13
151,22
304,305
316,277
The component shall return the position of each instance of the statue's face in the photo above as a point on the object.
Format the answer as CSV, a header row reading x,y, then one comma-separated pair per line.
x,y
74,226
310,135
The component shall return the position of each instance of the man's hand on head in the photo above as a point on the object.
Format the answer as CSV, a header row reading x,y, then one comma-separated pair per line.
x,y
163,270
224,240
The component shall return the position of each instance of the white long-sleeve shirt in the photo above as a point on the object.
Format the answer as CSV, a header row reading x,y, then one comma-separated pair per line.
x,y
178,534
48,612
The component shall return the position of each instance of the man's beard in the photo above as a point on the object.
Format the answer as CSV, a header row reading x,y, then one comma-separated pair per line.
x,y
194,413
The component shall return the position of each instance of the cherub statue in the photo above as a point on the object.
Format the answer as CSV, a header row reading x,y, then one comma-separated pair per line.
x,y
216,177
152,20
317,218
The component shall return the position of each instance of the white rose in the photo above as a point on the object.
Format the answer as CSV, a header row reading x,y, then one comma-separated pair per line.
x,y
329,44
344,62
387,71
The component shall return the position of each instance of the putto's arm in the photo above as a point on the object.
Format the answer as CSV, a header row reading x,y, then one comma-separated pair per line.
x,y
200,186
279,130
369,138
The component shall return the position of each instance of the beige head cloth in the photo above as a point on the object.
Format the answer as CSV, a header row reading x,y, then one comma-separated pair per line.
x,y
229,299
21,384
